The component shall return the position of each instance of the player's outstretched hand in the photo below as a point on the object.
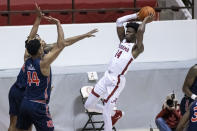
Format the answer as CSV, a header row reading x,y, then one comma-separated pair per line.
x,y
90,33
51,19
149,18
38,11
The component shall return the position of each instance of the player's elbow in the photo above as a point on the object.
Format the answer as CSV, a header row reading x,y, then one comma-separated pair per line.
x,y
60,44
88,106
140,31
119,22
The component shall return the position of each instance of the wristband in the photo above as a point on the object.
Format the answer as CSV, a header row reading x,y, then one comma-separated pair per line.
x,y
193,96
121,20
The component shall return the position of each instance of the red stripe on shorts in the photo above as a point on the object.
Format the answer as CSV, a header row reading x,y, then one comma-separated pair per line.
x,y
117,85
94,93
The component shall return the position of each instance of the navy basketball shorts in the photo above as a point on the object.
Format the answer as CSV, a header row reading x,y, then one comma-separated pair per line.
x,y
34,113
15,97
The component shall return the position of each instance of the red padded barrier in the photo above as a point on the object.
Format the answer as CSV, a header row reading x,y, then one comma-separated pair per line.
x,y
79,17
111,16
44,5
3,7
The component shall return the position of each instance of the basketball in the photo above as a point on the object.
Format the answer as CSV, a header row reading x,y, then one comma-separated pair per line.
x,y
145,11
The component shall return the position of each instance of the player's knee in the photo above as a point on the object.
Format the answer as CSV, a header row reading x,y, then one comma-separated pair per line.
x,y
88,106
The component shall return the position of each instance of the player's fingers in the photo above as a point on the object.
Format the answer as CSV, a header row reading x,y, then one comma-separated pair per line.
x,y
46,17
35,3
94,31
91,36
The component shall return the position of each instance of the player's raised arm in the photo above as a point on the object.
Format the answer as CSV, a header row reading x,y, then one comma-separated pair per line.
x,y
191,75
34,29
119,23
59,46
74,39
52,55
141,30
183,121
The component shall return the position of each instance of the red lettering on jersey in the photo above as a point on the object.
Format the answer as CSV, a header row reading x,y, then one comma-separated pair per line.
x,y
194,119
118,54
124,48
33,78
29,77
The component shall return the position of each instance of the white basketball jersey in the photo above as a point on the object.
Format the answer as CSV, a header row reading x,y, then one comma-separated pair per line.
x,y
122,59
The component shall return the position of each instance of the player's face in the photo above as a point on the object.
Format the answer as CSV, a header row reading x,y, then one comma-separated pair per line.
x,y
42,42
130,34
41,50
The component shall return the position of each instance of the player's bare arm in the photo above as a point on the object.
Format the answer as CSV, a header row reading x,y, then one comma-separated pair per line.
x,y
141,30
119,23
34,29
139,46
72,40
52,55
192,74
183,121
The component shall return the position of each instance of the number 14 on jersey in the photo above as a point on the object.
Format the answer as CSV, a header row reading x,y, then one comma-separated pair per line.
x,y
118,54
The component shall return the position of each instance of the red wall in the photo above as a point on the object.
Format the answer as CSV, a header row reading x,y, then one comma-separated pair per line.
x,y
79,17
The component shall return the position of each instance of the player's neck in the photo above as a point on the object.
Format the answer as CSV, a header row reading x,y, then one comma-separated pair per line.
x,y
36,57
130,41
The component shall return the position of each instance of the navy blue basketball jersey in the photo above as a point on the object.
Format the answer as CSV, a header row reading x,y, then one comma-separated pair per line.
x,y
38,85
193,117
21,78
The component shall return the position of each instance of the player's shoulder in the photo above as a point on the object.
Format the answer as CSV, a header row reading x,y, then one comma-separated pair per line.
x,y
194,68
193,71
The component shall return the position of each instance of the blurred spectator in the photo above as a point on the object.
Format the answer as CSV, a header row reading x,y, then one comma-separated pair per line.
x,y
168,118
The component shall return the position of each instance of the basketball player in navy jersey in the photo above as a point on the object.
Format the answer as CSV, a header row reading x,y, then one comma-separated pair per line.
x,y
34,107
190,118
189,89
17,90
112,83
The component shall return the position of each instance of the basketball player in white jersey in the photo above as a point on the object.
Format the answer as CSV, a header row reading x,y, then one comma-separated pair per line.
x,y
112,83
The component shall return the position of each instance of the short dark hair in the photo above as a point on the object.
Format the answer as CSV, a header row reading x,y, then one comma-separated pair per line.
x,y
133,25
33,46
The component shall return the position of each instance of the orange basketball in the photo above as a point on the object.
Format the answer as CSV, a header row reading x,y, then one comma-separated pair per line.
x,y
145,11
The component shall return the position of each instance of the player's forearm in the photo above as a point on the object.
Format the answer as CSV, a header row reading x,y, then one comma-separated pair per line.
x,y
120,21
141,28
72,40
34,29
179,128
187,91
140,34
60,39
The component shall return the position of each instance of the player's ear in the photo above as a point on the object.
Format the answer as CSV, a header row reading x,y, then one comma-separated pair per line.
x,y
40,50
